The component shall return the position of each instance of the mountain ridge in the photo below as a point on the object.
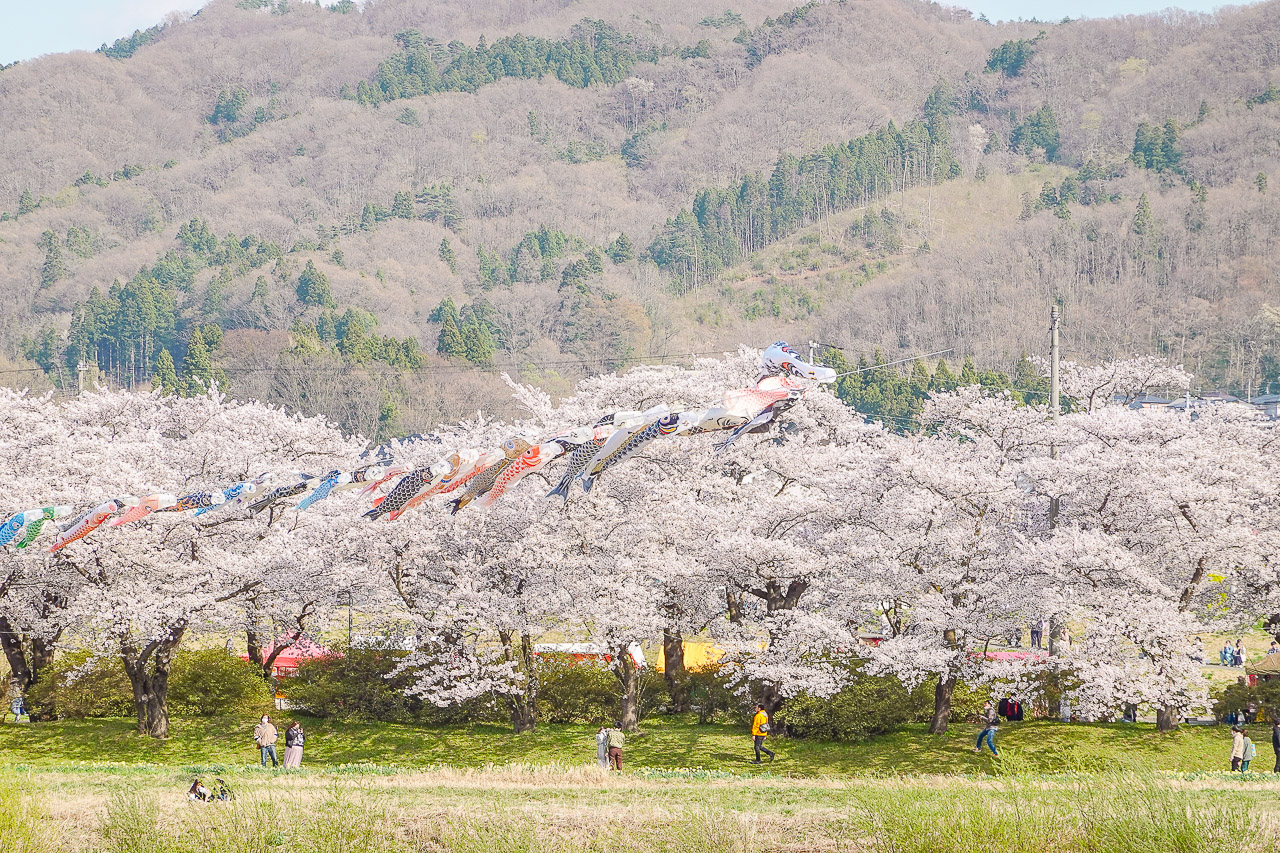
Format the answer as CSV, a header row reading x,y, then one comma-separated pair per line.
x,y
162,138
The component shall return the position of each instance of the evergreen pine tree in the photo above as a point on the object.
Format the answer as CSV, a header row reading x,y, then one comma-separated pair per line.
x,y
197,366
326,328
402,206
198,370
451,342
920,378
621,249
165,377
478,341
447,255
969,373
943,379
313,288
26,203
53,268
1143,223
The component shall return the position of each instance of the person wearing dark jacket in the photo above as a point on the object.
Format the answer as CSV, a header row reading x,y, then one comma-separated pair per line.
x,y
1275,743
293,740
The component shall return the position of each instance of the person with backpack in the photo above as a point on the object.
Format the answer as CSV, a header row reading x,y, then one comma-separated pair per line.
x,y
615,739
1250,753
991,721
760,729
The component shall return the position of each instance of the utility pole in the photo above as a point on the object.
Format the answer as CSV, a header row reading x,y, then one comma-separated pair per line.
x,y
812,345
1055,405
80,369
1055,408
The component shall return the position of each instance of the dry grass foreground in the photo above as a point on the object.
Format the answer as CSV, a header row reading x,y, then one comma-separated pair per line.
x,y
555,809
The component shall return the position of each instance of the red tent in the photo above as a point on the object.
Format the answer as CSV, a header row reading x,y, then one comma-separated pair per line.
x,y
288,661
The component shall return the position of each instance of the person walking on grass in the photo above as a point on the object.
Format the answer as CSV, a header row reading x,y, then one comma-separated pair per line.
x,y
294,738
1275,743
1237,747
265,736
1250,753
991,721
614,740
760,728
602,748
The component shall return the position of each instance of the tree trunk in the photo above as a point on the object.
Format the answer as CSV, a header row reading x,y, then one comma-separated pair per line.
x,y
942,704
11,641
1166,718
148,669
158,688
138,680
676,676
629,677
770,698
523,704
255,648
42,656
41,666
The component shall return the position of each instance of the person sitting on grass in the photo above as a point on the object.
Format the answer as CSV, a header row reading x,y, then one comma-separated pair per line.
x,y
198,792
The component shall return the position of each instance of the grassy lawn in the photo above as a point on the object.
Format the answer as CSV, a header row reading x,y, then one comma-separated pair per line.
x,y
376,788
663,743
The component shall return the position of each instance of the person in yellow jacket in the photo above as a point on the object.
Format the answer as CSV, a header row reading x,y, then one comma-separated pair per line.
x,y
759,730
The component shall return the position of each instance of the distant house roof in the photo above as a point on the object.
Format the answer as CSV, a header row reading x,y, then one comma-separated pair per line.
x,y
1148,400
1219,397
1265,399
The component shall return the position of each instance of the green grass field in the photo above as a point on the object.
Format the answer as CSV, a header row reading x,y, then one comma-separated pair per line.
x,y
376,788
663,743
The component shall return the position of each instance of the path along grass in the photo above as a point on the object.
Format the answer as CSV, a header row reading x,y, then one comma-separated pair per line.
x,y
664,743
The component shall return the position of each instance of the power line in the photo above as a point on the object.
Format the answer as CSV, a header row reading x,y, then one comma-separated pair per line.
x,y
454,368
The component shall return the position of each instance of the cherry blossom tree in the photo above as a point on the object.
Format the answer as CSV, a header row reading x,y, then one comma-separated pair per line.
x,y
940,537
1167,525
140,587
782,545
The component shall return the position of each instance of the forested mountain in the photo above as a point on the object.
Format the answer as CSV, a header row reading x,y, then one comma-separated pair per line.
x,y
370,210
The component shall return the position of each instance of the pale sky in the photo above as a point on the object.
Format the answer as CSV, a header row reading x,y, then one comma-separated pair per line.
x,y
30,28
